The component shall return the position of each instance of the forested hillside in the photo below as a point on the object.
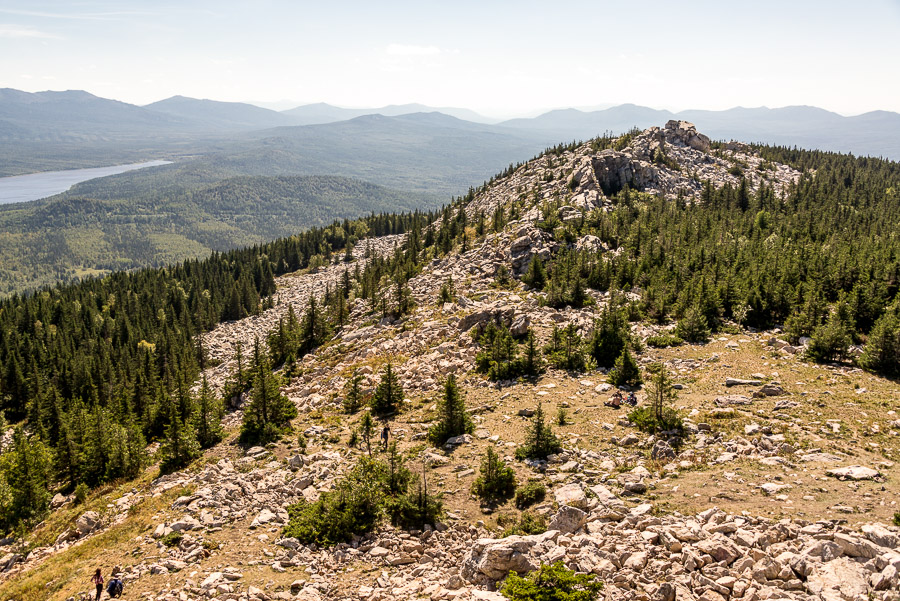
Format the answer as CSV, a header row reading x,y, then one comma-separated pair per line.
x,y
114,359
110,225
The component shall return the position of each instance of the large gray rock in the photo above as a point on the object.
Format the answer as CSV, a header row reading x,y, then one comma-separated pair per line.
x,y
881,536
572,495
662,450
520,324
839,580
567,520
853,472
87,522
491,559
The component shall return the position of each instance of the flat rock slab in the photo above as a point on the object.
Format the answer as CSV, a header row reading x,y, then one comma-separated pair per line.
x,y
739,382
728,400
853,472
820,458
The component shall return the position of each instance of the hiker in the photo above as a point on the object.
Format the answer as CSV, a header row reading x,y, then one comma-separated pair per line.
x,y
385,434
632,399
615,401
115,587
97,579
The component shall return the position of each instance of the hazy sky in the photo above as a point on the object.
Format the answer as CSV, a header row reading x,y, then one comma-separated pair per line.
x,y
500,58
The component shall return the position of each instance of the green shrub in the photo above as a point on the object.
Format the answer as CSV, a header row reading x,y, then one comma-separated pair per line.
x,y
530,493
361,499
81,493
551,583
528,523
626,371
897,518
352,507
664,341
561,416
496,482
415,508
540,440
172,539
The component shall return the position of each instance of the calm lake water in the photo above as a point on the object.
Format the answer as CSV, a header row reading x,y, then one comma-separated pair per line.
x,y
34,186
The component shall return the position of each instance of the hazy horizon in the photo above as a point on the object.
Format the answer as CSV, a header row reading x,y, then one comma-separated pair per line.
x,y
284,105
497,60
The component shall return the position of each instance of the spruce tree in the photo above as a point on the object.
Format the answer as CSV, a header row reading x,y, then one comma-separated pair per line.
x,y
453,420
611,335
536,277
179,446
540,441
367,430
496,482
882,350
24,481
831,340
626,371
353,398
208,416
389,393
269,413
693,327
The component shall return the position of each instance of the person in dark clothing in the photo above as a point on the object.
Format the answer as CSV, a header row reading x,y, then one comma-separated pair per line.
x,y
115,587
385,434
97,579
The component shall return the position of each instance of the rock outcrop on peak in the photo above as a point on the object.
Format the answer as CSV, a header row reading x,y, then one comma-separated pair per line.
x,y
674,160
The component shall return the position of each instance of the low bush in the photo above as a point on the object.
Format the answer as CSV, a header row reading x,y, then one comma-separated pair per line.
x,y
496,482
172,539
530,493
664,341
554,582
360,500
528,523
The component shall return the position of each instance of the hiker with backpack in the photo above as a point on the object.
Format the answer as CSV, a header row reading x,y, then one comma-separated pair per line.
x,y
115,587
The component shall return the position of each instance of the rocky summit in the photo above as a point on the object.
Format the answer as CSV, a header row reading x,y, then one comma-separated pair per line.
x,y
783,485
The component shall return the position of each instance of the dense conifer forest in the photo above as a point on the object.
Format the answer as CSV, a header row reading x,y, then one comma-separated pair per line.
x,y
93,371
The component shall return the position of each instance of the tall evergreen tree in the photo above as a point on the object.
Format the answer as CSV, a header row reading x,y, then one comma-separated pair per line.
x,y
453,420
389,393
208,416
269,413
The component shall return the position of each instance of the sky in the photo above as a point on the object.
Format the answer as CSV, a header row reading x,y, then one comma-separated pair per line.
x,y
501,59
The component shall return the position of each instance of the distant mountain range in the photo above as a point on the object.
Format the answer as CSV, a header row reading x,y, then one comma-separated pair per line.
x,y
53,130
316,114
876,133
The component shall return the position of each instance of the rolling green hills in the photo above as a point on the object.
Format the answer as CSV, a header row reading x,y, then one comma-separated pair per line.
x,y
77,234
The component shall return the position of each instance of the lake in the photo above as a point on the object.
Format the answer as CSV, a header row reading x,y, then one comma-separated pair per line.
x,y
34,186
